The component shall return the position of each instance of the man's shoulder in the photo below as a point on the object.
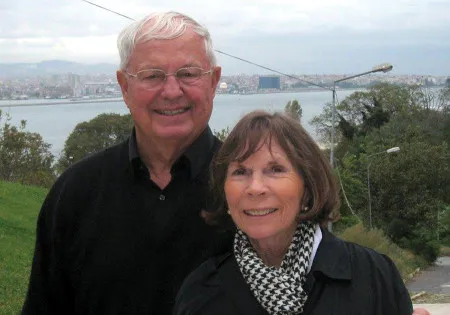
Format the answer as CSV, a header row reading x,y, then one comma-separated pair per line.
x,y
105,158
96,166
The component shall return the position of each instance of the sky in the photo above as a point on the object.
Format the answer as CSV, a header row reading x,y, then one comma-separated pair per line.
x,y
292,36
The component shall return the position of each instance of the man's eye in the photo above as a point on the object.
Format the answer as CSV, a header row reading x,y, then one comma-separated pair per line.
x,y
187,73
153,76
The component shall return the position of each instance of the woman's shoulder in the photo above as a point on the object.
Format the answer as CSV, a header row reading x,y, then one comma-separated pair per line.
x,y
354,260
356,252
367,271
360,253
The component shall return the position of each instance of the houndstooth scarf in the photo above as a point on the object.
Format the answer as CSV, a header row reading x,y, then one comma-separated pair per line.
x,y
278,290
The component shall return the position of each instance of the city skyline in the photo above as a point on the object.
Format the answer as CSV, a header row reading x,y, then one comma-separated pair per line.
x,y
320,37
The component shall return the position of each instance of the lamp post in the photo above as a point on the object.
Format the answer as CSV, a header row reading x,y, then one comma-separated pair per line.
x,y
391,150
385,67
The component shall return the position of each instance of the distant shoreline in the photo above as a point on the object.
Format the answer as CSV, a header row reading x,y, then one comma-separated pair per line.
x,y
96,100
24,103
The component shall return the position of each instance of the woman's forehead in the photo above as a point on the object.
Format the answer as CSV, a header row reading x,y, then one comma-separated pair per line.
x,y
267,145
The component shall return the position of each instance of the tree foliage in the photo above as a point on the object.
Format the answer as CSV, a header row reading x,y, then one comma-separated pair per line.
x,y
24,156
294,110
408,188
94,135
364,111
222,134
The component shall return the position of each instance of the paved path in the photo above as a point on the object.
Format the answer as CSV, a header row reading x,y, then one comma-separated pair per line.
x,y
435,309
435,279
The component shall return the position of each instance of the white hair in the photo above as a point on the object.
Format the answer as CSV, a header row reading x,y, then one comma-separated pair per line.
x,y
164,25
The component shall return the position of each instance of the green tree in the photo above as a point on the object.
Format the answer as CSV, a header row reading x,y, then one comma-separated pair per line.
x,y
294,110
412,185
409,188
364,111
24,156
444,99
93,136
222,134
352,188
444,225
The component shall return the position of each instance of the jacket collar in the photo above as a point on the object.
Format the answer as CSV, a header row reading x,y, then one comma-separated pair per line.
x,y
195,154
332,258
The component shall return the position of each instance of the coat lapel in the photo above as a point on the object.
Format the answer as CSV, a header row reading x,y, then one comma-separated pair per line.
x,y
237,289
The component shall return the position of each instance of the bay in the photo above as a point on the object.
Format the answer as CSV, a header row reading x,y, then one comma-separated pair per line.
x,y
55,122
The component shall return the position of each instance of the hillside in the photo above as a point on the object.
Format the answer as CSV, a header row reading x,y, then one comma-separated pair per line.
x,y
19,207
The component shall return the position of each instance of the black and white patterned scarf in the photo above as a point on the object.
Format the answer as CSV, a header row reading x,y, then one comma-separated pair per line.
x,y
278,290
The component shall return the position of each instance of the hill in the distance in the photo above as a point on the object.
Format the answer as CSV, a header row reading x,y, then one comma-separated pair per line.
x,y
8,70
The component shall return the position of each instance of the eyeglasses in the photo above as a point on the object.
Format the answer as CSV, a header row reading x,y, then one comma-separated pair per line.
x,y
154,78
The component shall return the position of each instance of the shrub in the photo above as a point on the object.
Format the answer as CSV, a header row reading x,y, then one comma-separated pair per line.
x,y
405,261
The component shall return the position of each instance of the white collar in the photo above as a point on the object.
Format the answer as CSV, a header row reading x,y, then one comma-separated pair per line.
x,y
317,240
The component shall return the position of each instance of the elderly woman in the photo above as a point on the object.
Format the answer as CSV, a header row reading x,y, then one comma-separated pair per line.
x,y
276,188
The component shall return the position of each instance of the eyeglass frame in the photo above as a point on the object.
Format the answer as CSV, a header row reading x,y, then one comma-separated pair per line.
x,y
169,74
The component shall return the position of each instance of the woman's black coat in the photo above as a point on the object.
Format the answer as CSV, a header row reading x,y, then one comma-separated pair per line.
x,y
345,279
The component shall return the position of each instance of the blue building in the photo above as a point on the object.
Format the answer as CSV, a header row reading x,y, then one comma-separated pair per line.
x,y
269,82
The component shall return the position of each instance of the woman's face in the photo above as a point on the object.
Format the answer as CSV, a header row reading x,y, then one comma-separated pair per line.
x,y
264,194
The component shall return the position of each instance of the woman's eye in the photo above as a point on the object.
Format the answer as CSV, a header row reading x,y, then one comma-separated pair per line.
x,y
239,172
277,169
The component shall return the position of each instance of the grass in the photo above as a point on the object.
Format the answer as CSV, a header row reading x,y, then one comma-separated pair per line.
x,y
406,262
19,207
431,298
445,251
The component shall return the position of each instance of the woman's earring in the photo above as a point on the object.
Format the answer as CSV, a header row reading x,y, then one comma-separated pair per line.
x,y
305,209
228,211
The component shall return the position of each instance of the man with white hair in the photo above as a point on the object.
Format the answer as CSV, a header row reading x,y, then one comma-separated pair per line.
x,y
120,230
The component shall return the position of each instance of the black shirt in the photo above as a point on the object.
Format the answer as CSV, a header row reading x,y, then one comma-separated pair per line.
x,y
345,279
110,241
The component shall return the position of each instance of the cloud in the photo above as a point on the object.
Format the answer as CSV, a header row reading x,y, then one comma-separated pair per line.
x,y
30,18
285,34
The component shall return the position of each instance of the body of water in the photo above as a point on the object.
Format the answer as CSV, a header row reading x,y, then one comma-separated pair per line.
x,y
55,122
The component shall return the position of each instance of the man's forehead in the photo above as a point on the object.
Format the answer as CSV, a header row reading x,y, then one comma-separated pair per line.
x,y
166,35
171,30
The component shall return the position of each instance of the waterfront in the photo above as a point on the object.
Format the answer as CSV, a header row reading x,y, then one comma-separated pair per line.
x,y
54,122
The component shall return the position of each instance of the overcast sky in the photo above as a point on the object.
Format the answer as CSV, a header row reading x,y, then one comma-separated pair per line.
x,y
294,36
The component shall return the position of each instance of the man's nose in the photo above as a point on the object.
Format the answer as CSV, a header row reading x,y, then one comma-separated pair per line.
x,y
171,87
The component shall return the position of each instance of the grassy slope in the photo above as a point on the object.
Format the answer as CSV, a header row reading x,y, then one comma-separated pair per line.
x,y
19,207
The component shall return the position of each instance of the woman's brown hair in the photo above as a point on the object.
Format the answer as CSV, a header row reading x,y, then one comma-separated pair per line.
x,y
258,128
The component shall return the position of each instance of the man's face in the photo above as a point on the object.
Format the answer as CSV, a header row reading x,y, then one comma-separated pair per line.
x,y
172,111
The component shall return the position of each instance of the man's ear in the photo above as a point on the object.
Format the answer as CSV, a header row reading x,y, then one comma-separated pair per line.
x,y
123,82
216,78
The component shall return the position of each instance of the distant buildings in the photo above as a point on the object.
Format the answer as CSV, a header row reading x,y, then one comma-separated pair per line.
x,y
269,82
71,85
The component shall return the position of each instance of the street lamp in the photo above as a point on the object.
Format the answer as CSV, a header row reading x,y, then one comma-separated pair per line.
x,y
385,67
391,150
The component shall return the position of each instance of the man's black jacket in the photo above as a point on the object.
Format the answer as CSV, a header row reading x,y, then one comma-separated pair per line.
x,y
109,241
